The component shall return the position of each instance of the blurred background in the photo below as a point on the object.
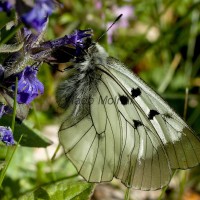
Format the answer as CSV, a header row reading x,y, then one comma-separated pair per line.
x,y
159,40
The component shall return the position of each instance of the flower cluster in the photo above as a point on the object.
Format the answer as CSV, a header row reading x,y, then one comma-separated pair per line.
x,y
29,87
6,135
23,62
33,16
5,6
64,49
36,16
4,109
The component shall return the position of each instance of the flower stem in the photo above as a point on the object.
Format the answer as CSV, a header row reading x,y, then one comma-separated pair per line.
x,y
9,155
162,193
56,151
127,194
10,151
14,106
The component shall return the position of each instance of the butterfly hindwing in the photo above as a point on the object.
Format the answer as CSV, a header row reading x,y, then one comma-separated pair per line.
x,y
99,159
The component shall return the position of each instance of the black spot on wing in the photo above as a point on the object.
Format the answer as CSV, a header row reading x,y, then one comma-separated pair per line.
x,y
123,99
137,123
167,115
135,92
152,114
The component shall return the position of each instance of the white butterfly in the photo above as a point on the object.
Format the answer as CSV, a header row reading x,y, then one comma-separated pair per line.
x,y
119,127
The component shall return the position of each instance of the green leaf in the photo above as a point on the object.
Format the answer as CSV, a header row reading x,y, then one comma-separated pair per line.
x,y
22,109
65,189
31,137
9,48
2,165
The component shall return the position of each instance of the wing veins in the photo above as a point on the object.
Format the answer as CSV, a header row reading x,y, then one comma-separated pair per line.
x,y
95,159
128,94
110,123
87,153
79,139
144,127
75,123
110,127
183,134
193,148
133,103
123,147
105,134
184,153
144,162
133,174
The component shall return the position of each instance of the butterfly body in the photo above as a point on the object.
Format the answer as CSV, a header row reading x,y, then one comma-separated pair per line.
x,y
81,86
119,127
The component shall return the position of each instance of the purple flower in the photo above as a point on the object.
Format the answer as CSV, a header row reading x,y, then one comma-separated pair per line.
x,y
75,39
5,6
78,40
4,109
98,4
29,87
37,16
6,135
63,49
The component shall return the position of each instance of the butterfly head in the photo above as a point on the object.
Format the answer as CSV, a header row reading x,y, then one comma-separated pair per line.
x,y
87,50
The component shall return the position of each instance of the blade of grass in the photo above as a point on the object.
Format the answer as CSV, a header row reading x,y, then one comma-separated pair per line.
x,y
127,194
56,151
191,43
165,188
162,193
170,73
38,125
10,150
186,103
188,72
37,122
182,184
9,155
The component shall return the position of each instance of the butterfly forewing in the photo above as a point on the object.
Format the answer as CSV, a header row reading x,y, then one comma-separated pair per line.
x,y
181,145
129,133
142,155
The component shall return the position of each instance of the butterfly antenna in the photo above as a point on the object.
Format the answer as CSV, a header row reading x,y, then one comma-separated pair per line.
x,y
110,27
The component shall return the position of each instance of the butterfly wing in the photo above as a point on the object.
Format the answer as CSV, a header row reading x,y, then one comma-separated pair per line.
x,y
129,133
180,143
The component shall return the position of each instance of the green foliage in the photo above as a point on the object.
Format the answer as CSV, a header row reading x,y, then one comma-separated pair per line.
x,y
65,189
31,137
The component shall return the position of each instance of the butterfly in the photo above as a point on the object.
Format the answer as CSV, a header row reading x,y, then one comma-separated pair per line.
x,y
117,126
